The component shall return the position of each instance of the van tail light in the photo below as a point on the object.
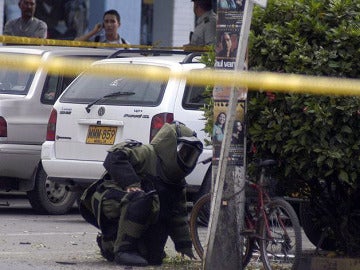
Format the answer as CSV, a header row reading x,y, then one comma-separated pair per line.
x,y
51,127
3,127
158,121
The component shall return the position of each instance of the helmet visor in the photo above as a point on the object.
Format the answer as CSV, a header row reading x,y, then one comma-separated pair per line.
x,y
188,151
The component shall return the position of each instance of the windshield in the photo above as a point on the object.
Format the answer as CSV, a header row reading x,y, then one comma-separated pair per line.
x,y
15,82
117,89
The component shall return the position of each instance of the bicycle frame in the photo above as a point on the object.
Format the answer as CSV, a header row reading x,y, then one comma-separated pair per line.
x,y
265,224
252,221
262,198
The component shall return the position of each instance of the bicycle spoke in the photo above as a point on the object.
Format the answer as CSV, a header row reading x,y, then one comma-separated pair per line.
x,y
281,244
199,218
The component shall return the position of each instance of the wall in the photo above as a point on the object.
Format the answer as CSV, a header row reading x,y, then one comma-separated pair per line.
x,y
130,12
96,11
173,21
2,4
163,21
184,22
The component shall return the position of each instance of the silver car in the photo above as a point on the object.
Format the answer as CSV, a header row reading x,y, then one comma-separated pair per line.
x,y
26,99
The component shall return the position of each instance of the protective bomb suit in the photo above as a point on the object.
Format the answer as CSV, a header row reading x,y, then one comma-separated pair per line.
x,y
142,200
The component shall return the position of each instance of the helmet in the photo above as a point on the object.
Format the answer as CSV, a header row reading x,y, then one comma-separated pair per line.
x,y
178,150
188,149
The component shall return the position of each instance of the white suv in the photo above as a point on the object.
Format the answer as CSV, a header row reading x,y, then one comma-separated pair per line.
x,y
26,100
97,112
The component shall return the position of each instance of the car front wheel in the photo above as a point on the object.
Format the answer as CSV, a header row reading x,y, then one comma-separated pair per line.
x,y
49,197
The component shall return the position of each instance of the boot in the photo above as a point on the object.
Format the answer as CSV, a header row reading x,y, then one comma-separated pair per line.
x,y
131,258
105,252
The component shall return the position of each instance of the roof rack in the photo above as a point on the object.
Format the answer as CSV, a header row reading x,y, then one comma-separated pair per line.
x,y
155,52
190,57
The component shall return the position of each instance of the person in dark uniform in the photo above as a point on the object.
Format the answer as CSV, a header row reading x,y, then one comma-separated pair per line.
x,y
205,27
141,201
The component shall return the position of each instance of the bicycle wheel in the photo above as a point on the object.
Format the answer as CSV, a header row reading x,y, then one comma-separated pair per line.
x,y
280,244
199,220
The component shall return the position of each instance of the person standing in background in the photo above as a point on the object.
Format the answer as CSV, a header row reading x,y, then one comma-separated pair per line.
x,y
27,25
111,23
205,29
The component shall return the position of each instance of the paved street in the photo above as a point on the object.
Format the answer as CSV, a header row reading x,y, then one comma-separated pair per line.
x,y
30,241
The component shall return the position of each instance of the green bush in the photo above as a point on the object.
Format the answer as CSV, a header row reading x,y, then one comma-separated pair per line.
x,y
315,138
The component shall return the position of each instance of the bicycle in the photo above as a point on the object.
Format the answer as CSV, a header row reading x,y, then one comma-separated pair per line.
x,y
271,225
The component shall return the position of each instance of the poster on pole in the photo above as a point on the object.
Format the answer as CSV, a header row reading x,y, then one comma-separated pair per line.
x,y
234,20
238,132
230,15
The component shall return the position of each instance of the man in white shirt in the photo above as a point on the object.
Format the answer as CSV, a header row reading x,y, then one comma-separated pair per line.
x,y
111,23
27,25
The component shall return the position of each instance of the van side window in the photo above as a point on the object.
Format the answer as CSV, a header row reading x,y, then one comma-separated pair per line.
x,y
194,97
49,91
15,82
53,87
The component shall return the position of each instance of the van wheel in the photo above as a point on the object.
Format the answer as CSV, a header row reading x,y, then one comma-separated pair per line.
x,y
314,228
49,197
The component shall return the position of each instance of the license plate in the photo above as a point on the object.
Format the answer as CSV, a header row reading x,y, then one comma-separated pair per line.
x,y
101,135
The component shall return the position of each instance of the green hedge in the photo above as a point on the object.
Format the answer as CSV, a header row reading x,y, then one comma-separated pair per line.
x,y
315,138
318,134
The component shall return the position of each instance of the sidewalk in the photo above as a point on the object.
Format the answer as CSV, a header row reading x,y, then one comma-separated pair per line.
x,y
324,261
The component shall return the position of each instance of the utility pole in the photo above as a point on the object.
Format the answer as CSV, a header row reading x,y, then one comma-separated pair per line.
x,y
224,244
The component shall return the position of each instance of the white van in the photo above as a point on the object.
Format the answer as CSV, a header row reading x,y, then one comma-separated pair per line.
x,y
96,112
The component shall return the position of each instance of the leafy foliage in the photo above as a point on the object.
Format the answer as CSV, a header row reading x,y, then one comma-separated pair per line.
x,y
208,59
315,137
316,38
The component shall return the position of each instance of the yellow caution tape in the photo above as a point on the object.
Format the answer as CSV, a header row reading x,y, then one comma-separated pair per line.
x,y
276,82
74,43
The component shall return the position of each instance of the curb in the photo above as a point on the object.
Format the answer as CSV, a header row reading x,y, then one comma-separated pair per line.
x,y
315,262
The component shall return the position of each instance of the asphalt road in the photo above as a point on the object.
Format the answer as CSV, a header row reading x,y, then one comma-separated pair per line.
x,y
44,242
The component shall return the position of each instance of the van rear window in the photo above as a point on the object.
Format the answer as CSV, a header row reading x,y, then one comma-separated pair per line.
x,y
15,82
114,90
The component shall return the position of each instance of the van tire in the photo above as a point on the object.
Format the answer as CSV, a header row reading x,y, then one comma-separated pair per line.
x,y
49,197
314,229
